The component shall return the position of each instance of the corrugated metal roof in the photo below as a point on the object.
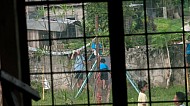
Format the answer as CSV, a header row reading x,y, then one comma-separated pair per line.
x,y
43,25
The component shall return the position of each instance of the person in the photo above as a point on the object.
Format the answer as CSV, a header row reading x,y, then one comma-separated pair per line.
x,y
142,98
179,98
78,66
93,47
103,75
188,52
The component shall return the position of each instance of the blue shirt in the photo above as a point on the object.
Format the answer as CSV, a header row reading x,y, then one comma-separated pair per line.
x,y
93,45
79,66
188,48
103,66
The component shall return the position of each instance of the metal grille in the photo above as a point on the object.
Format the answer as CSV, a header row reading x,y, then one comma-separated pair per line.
x,y
140,40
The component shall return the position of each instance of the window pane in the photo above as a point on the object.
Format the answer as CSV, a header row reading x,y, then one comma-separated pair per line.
x,y
136,52
186,9
133,15
37,22
163,104
39,58
166,50
163,16
96,19
66,89
66,20
137,86
165,83
42,83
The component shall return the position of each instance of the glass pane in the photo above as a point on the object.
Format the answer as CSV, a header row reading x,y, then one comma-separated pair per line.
x,y
166,50
163,16
137,85
37,22
96,19
101,85
66,20
165,83
186,9
132,104
39,58
163,104
42,83
65,53
94,52
133,15
166,25
135,52
65,93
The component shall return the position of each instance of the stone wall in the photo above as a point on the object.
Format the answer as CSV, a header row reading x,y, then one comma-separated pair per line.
x,y
136,61
136,64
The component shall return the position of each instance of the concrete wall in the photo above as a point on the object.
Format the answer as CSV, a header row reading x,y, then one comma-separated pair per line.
x,y
136,59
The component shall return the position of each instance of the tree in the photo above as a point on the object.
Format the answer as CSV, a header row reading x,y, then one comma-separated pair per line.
x,y
91,11
163,41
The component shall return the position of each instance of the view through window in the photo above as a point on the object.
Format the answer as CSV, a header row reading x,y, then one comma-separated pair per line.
x,y
70,59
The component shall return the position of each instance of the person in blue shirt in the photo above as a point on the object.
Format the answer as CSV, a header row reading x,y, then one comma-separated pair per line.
x,y
103,75
188,53
93,47
79,65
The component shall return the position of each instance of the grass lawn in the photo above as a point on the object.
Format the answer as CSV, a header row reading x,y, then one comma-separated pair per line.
x,y
168,25
158,94
63,97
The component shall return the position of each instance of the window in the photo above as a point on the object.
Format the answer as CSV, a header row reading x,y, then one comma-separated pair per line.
x,y
139,40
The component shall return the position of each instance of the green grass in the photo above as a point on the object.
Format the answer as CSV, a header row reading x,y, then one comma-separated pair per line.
x,y
168,25
63,97
157,94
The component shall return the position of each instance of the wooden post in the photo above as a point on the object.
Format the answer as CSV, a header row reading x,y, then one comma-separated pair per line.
x,y
99,84
97,43
187,72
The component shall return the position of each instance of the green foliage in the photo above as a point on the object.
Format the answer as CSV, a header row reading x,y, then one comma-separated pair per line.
x,y
40,12
132,41
93,10
72,44
37,86
39,53
166,25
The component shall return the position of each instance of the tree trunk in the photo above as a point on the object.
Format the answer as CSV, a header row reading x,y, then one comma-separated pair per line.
x,y
176,15
169,65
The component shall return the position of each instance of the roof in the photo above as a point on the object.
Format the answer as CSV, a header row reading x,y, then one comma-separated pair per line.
x,y
42,24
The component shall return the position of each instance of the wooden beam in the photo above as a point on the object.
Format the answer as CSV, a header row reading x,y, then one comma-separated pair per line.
x,y
19,85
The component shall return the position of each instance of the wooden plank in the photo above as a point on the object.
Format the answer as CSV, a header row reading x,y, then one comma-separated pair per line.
x,y
20,86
